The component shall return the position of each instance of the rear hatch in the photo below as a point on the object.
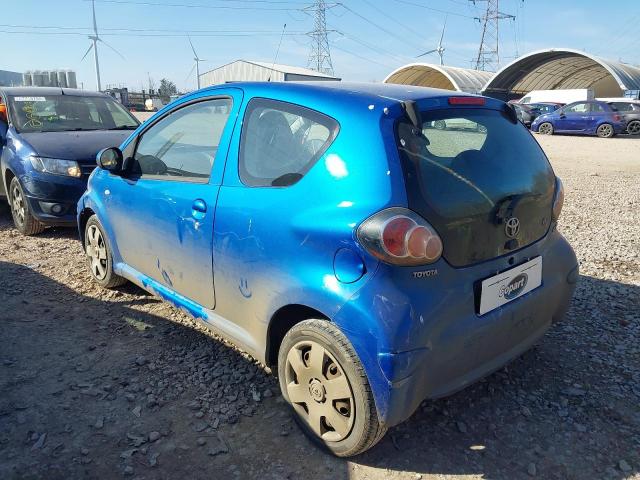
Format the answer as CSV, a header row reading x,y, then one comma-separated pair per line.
x,y
479,178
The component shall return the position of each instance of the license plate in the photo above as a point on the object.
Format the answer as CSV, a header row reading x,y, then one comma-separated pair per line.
x,y
509,285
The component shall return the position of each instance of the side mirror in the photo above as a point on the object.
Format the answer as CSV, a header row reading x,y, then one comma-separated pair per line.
x,y
110,159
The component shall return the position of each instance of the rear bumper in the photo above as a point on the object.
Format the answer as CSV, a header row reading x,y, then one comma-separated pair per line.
x,y
433,343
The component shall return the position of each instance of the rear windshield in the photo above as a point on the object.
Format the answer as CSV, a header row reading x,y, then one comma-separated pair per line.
x,y
56,113
466,169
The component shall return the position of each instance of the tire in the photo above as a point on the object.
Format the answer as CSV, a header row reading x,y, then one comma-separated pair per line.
x,y
545,128
605,131
98,251
633,128
23,218
314,355
439,124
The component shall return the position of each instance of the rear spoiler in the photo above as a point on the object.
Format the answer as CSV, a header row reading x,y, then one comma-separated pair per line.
x,y
412,112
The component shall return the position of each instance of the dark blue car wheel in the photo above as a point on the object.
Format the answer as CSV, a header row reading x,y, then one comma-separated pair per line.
x,y
23,219
605,131
545,128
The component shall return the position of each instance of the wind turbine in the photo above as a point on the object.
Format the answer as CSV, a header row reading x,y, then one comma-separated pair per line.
x,y
94,45
196,63
439,49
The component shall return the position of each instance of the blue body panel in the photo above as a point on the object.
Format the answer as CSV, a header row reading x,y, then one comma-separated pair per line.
x,y
581,123
272,247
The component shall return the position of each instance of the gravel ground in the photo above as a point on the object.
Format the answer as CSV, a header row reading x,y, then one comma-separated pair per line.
x,y
112,384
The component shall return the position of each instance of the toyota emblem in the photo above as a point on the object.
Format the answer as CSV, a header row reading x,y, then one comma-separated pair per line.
x,y
512,227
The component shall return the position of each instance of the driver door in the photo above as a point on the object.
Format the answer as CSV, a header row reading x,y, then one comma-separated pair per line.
x,y
162,211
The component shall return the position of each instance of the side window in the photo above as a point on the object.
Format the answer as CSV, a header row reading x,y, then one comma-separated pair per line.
x,y
183,145
577,108
281,142
622,107
597,108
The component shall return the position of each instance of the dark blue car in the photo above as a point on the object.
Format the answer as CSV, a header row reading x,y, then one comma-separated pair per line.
x,y
329,229
585,117
49,138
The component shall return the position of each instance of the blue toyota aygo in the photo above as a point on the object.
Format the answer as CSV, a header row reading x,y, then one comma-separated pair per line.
x,y
332,232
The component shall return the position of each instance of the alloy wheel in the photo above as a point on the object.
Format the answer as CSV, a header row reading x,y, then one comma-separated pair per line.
x,y
605,130
634,127
18,205
97,252
319,390
545,129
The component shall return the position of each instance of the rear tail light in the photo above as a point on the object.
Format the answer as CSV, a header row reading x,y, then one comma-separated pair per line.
x,y
466,100
400,237
558,200
616,117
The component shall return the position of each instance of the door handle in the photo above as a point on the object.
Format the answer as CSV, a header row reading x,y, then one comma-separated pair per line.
x,y
199,205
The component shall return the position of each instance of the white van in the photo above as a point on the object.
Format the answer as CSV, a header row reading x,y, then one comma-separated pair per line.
x,y
558,96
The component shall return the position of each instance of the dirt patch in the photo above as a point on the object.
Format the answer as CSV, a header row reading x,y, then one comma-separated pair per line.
x,y
109,384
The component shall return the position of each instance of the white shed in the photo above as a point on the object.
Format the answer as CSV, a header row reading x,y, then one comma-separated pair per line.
x,y
249,71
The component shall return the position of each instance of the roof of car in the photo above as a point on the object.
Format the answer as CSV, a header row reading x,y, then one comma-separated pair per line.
x,y
346,90
44,91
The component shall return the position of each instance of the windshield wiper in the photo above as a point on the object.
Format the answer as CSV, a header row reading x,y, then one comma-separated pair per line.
x,y
123,127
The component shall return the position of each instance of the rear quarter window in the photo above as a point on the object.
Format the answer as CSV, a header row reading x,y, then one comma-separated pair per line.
x,y
281,142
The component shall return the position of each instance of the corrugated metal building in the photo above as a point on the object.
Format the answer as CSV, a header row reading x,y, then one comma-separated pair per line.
x,y
10,79
249,71
440,76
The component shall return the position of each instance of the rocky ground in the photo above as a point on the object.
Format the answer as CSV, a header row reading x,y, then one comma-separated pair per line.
x,y
113,384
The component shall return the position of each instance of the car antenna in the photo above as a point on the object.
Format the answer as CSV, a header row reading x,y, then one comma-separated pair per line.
x,y
277,51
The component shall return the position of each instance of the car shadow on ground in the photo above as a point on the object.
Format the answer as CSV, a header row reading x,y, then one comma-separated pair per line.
x,y
562,410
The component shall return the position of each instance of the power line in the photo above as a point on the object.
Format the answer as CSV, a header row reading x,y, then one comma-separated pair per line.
x,y
379,27
447,12
397,22
160,35
194,5
79,30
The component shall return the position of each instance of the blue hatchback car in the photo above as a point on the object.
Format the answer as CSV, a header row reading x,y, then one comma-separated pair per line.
x,y
587,118
331,231
49,138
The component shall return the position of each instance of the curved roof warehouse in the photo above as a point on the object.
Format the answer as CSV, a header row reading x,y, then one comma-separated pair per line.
x,y
561,68
554,68
440,76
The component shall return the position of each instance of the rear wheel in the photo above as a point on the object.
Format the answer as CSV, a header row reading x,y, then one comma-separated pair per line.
x,y
545,128
440,124
633,128
23,219
98,253
605,131
322,378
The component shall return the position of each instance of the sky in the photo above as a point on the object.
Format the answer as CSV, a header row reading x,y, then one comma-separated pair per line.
x,y
368,38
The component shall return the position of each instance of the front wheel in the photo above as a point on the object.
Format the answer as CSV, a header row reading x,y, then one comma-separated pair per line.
x,y
605,131
98,253
322,378
545,128
23,219
634,127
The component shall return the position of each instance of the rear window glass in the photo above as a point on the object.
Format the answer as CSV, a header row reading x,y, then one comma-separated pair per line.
x,y
470,158
465,169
